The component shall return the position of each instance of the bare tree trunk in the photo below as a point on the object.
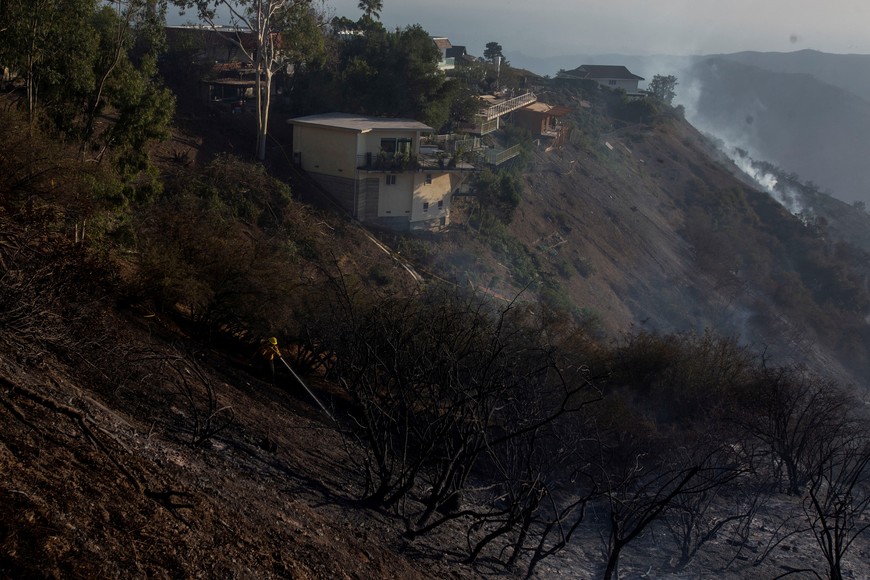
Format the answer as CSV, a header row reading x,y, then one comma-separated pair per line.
x,y
264,98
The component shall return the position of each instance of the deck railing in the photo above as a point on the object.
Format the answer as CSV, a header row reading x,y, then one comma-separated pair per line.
x,y
388,162
507,106
497,157
485,127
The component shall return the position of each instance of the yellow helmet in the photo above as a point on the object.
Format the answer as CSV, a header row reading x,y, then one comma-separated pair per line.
x,y
273,340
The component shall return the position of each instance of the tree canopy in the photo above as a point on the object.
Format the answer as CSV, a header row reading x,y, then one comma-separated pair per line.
x,y
382,72
371,9
82,60
277,26
493,50
662,88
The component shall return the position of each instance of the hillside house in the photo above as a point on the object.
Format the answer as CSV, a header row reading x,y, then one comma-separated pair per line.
x,y
229,78
459,55
444,46
610,76
375,169
543,121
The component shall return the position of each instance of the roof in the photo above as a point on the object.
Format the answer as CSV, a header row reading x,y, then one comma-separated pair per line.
x,y
244,83
554,110
360,123
441,42
537,107
602,71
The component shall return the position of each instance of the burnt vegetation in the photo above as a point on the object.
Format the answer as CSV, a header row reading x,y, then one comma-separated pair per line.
x,y
511,424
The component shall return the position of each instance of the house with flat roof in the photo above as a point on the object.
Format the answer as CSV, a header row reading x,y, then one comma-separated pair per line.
x,y
376,170
610,76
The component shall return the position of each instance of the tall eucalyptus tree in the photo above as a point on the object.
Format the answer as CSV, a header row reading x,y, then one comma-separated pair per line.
x,y
273,25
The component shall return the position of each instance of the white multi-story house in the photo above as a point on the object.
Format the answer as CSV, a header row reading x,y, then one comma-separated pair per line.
x,y
374,168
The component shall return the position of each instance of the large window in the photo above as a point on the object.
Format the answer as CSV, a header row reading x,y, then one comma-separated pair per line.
x,y
392,146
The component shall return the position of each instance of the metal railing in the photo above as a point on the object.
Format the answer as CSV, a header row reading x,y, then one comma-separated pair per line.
x,y
497,157
394,162
507,106
485,127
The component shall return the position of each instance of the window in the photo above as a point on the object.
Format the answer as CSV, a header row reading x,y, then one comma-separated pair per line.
x,y
440,204
425,206
428,178
391,180
388,146
611,82
392,146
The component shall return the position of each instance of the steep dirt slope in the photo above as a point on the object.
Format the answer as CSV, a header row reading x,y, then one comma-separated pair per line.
x,y
102,482
608,206
603,216
607,219
97,474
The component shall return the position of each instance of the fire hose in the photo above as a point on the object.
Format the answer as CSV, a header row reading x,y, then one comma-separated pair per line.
x,y
310,393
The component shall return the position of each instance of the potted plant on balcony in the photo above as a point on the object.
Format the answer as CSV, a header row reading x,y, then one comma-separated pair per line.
x,y
381,161
457,157
403,160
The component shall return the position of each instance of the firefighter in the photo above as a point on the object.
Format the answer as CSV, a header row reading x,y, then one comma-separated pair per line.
x,y
269,352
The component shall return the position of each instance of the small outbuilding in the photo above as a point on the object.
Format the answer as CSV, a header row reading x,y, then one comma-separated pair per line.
x,y
543,121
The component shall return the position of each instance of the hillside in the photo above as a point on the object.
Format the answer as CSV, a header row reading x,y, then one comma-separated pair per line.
x,y
140,437
651,227
805,111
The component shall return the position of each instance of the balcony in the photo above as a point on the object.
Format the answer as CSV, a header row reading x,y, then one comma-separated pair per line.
x,y
400,162
499,156
446,64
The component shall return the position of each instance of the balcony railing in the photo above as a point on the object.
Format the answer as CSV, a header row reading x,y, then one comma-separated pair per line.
x,y
504,107
398,163
485,127
497,157
447,63
394,162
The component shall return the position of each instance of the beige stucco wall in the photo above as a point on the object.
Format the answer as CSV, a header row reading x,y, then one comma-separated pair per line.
x,y
395,200
441,189
325,150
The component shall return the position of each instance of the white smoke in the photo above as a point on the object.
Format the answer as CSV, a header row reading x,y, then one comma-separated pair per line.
x,y
786,196
734,141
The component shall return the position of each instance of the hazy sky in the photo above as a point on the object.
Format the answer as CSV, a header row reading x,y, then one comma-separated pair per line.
x,y
679,27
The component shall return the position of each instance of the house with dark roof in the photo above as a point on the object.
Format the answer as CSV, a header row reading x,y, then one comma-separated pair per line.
x,y
610,76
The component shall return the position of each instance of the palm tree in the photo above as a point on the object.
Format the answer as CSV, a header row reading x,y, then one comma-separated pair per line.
x,y
371,8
